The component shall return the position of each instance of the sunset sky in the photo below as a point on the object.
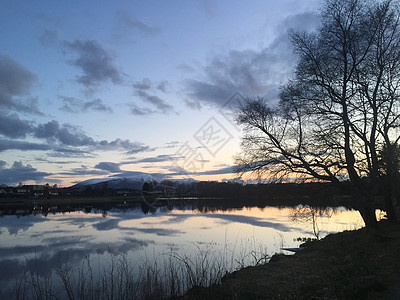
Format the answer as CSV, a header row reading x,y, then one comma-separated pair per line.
x,y
96,89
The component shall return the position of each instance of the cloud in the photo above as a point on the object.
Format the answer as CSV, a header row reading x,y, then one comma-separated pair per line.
x,y
147,93
96,105
57,162
145,84
74,105
154,100
158,158
250,72
139,111
49,37
221,171
16,82
70,152
83,171
22,145
63,139
20,173
130,147
172,144
70,135
127,25
12,126
66,134
96,63
108,166
163,86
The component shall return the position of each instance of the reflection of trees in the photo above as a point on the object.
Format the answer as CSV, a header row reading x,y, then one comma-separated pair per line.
x,y
305,213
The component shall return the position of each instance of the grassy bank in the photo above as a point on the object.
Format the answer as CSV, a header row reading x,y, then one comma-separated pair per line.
x,y
348,265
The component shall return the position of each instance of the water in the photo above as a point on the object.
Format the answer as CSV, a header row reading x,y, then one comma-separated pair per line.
x,y
49,241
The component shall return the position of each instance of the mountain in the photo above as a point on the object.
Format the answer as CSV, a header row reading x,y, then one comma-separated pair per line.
x,y
129,183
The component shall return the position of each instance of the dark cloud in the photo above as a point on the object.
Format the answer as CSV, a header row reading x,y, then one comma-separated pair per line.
x,y
220,171
62,139
71,104
159,158
127,25
83,171
130,147
12,126
15,79
251,72
96,105
163,86
70,152
65,134
108,166
57,162
16,82
95,62
71,136
147,93
2,164
20,173
74,105
22,145
145,84
139,111
160,104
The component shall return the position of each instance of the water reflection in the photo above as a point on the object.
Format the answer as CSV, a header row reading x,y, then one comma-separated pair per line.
x,y
313,215
46,242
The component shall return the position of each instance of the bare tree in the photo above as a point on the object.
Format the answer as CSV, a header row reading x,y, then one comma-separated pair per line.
x,y
339,109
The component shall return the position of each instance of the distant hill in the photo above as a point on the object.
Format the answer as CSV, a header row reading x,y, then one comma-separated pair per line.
x,y
130,183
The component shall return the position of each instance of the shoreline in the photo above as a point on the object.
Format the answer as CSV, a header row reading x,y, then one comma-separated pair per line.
x,y
347,265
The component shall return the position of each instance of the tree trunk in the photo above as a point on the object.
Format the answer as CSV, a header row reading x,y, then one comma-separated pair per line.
x,y
367,212
389,208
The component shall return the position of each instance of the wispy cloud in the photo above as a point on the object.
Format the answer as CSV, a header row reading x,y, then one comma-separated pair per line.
x,y
73,105
127,26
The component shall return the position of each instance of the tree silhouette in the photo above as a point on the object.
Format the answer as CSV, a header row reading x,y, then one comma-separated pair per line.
x,y
339,109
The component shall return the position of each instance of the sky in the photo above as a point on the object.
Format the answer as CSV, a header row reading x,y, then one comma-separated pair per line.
x,y
109,89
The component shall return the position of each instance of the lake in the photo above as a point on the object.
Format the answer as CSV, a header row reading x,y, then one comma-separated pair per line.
x,y
38,248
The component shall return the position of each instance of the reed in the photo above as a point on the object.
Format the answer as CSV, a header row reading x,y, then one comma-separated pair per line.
x,y
165,275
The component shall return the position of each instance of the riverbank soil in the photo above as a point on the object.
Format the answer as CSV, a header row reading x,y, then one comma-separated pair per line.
x,y
348,265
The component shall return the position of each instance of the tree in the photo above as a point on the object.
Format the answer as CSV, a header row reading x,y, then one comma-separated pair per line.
x,y
390,177
339,109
